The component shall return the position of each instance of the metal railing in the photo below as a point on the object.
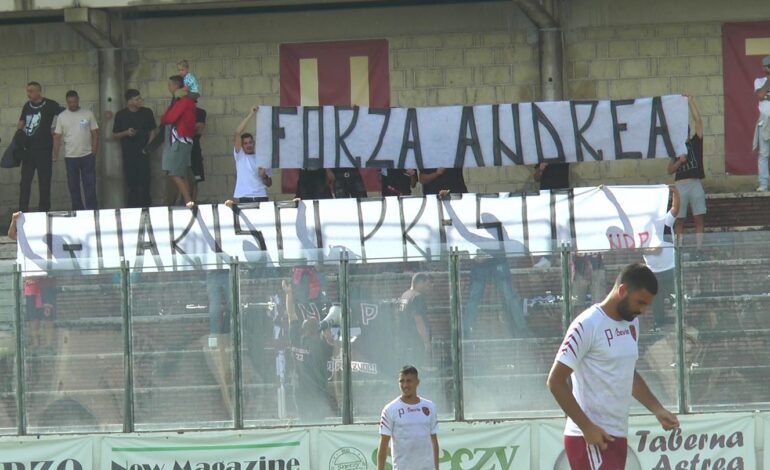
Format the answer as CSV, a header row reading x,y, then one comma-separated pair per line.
x,y
479,366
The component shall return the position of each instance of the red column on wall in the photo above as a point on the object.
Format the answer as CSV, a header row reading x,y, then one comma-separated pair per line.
x,y
334,84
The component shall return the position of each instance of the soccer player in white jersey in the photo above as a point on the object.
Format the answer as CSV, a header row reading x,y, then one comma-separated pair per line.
x,y
411,422
600,352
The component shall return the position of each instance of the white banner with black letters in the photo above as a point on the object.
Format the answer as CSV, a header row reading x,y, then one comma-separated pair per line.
x,y
385,229
472,136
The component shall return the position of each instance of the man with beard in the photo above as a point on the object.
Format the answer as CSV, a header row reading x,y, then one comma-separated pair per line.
x,y
600,351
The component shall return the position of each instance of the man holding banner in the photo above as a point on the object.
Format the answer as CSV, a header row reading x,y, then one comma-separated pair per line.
x,y
443,181
600,351
762,132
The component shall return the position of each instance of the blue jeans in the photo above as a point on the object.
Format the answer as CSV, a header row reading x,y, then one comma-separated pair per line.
x,y
82,169
495,270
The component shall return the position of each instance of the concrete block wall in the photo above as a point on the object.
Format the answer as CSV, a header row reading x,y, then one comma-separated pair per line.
x,y
616,62
439,55
233,78
58,58
458,64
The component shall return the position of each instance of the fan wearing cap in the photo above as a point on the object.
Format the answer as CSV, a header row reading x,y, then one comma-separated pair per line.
x,y
762,130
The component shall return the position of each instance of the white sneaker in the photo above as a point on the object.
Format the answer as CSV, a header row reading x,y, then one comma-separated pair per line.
x,y
544,263
762,189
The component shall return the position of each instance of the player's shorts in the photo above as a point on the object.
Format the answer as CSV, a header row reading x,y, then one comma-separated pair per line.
x,y
582,456
692,197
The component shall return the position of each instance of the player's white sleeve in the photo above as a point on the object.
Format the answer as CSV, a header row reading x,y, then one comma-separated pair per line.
x,y
577,343
433,420
386,423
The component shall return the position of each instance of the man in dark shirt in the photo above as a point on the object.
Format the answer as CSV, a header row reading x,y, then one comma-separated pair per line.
x,y
346,182
442,181
397,182
196,158
37,121
552,175
313,184
689,175
135,126
413,339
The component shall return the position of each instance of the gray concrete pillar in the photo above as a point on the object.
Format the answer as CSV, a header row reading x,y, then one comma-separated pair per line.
x,y
99,29
551,68
111,182
544,15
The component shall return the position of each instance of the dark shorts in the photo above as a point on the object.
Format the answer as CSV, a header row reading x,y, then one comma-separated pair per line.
x,y
35,311
582,456
196,164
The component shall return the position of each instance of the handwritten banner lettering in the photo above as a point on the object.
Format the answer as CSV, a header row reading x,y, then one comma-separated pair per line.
x,y
370,230
472,136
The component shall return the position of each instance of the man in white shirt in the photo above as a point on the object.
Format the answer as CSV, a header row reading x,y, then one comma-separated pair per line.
x,y
660,260
411,422
78,129
762,131
252,178
600,351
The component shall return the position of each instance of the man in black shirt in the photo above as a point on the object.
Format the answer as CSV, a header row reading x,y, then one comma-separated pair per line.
x,y
37,121
413,339
689,175
313,184
346,183
397,182
442,181
552,175
196,157
135,126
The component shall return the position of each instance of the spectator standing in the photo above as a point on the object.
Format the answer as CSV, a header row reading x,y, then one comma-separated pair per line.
x,y
397,182
40,304
176,157
410,421
588,276
313,184
78,129
660,260
689,175
442,181
37,122
490,267
762,130
311,351
599,353
190,82
412,328
220,303
196,157
551,176
135,127
346,182
252,177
